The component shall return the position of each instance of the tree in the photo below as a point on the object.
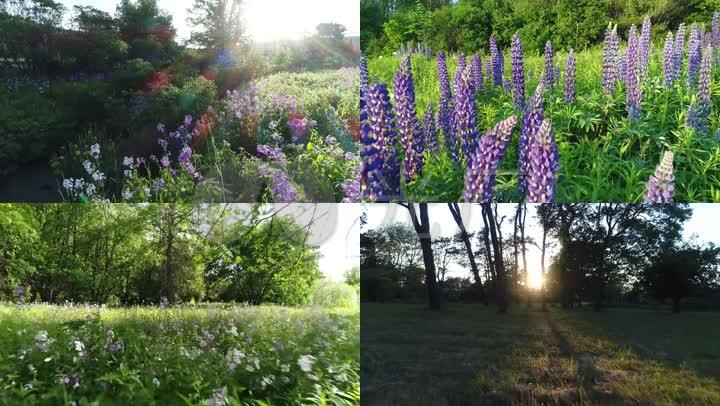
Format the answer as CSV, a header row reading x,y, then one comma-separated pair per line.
x,y
422,228
331,31
352,276
463,234
217,23
90,19
144,20
492,225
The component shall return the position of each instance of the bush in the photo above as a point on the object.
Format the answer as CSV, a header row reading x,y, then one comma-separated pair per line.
x,y
331,294
133,75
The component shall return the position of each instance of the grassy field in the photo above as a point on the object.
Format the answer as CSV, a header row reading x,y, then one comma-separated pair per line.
x,y
603,155
470,355
186,355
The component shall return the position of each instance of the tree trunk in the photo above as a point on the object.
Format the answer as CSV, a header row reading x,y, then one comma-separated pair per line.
x,y
169,274
422,227
543,292
490,220
455,211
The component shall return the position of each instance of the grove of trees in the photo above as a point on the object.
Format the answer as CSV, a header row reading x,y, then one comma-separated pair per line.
x,y
134,254
591,254
466,25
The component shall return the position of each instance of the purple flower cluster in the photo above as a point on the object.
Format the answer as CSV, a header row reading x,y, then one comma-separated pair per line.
x,y
176,150
461,61
570,78
679,49
445,107
518,72
700,111
669,74
610,59
464,114
694,54
633,87
351,188
661,186
476,72
549,76
429,130
272,153
544,165
408,127
532,119
482,168
379,170
644,47
282,189
497,62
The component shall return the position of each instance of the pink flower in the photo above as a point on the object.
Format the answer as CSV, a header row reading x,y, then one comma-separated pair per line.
x,y
299,127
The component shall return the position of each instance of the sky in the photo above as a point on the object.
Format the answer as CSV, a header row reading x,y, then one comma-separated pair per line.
x,y
704,224
265,20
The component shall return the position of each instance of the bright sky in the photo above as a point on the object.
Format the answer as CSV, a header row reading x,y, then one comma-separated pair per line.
x,y
705,223
265,20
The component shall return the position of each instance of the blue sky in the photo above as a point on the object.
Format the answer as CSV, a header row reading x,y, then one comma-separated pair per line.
x,y
264,19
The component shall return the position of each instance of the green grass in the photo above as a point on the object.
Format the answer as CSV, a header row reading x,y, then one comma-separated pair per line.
x,y
179,355
470,354
603,156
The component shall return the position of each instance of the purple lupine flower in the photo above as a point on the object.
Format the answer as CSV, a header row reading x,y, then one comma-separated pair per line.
x,y
461,61
379,170
679,45
445,107
518,72
464,119
364,83
532,119
408,127
644,47
609,69
497,63
694,54
429,131
488,69
549,77
282,190
634,90
716,31
668,68
351,188
544,165
476,72
570,78
482,168
702,108
661,186
443,77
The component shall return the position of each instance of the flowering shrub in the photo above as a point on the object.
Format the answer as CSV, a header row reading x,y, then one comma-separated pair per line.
x,y
74,354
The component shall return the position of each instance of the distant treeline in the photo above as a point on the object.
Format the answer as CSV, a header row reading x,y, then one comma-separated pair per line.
x,y
466,25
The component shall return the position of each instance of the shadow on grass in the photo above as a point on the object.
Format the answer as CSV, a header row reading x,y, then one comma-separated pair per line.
x,y
470,355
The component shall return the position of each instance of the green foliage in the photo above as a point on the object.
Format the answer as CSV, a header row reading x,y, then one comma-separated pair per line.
x,y
182,355
332,294
217,23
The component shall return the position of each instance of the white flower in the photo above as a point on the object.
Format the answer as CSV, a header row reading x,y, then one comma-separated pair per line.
x,y
98,176
95,151
127,194
128,161
156,382
233,330
68,183
48,359
90,191
89,168
285,368
234,357
306,362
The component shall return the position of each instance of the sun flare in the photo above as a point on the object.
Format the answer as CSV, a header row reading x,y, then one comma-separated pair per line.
x,y
535,280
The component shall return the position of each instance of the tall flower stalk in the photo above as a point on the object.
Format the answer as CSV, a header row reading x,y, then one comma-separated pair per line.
x,y
518,72
570,78
497,62
694,55
700,111
542,180
679,50
532,118
610,56
379,169
476,72
429,130
408,126
668,68
482,168
464,115
549,77
661,186
644,48
633,87
445,107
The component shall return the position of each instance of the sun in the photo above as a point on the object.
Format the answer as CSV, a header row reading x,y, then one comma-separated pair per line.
x,y
535,279
274,20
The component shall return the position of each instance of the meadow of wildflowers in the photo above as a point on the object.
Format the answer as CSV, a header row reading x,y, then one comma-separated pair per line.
x,y
565,125
289,137
195,355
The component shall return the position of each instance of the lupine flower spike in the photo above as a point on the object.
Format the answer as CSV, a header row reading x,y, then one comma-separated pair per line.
x,y
570,78
497,62
476,71
549,77
408,126
542,179
668,68
699,112
518,73
379,170
661,186
633,87
532,118
482,168
609,71
464,120
679,50
694,54
429,131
